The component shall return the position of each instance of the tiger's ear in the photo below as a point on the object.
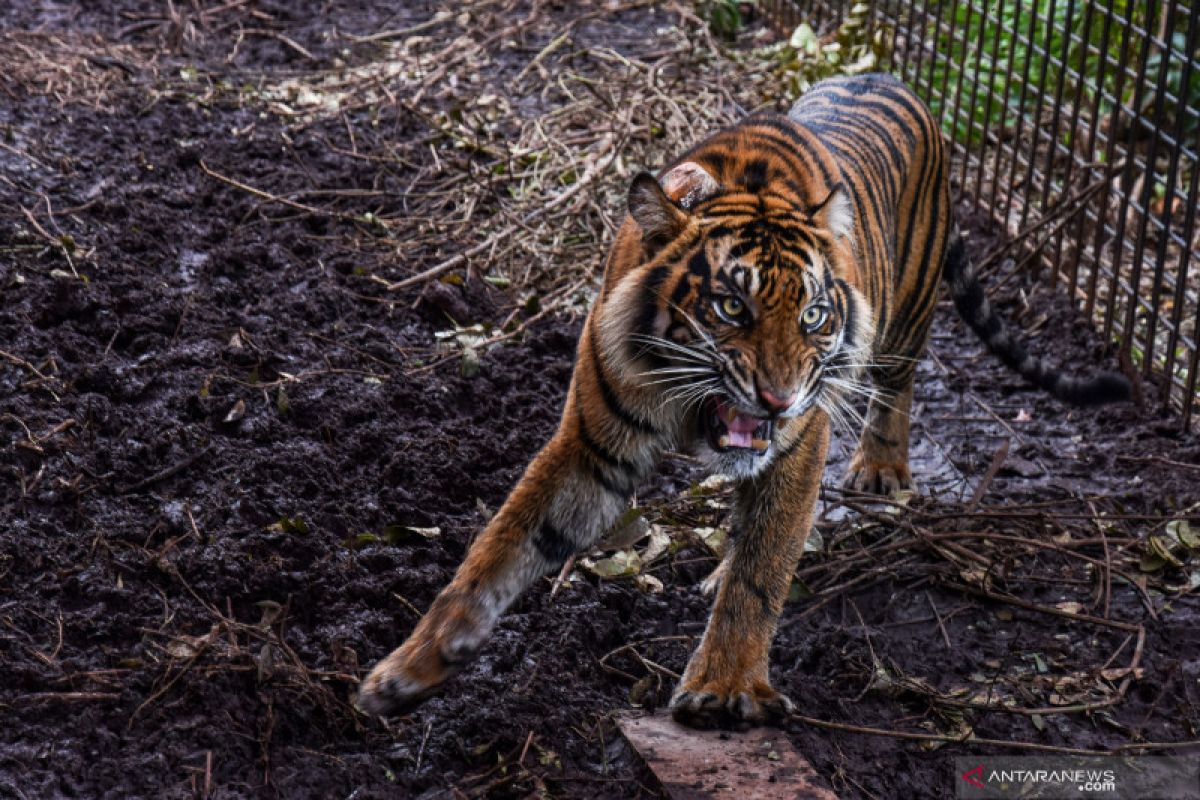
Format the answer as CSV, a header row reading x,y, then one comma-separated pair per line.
x,y
835,213
654,211
661,209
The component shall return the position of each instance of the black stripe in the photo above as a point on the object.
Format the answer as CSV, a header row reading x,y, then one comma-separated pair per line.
x,y
754,175
554,547
649,299
611,401
600,451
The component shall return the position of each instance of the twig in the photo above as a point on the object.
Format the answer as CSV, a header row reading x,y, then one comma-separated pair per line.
x,y
525,749
997,462
20,362
68,697
938,616
1058,612
1159,460
169,472
421,749
971,739
274,198
604,157
22,154
283,39
401,32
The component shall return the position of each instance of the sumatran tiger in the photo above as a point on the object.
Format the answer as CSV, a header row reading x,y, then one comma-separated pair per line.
x,y
753,286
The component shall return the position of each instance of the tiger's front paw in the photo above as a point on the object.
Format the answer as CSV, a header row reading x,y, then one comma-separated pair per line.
x,y
734,704
877,477
444,641
412,673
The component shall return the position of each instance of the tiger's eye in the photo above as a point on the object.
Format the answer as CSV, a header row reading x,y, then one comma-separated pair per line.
x,y
813,316
732,306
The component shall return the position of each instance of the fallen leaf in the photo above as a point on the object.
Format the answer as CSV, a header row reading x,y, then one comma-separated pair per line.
x,y
713,538
620,564
236,412
649,584
1181,532
627,531
660,542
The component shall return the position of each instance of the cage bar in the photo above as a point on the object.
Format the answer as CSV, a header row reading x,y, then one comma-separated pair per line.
x,y
1076,125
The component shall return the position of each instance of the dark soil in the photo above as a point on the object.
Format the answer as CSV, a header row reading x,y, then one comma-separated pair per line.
x,y
215,439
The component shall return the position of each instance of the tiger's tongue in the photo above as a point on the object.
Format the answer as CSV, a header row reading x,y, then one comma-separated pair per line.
x,y
739,425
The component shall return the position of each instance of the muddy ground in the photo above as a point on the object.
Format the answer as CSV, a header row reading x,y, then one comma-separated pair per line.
x,y
218,436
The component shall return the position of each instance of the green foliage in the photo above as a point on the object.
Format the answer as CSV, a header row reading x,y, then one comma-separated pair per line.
x,y
1188,96
724,17
854,48
995,50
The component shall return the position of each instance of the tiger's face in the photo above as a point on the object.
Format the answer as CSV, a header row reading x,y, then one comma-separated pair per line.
x,y
743,317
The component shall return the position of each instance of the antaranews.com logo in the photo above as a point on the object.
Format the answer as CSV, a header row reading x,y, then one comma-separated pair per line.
x,y
1140,777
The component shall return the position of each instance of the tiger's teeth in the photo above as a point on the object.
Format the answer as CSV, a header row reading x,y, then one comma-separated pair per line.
x,y
760,444
723,441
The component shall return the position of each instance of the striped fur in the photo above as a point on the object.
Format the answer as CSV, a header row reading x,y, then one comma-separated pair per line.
x,y
756,285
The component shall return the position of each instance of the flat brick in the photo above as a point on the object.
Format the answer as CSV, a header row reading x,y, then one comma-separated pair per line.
x,y
713,765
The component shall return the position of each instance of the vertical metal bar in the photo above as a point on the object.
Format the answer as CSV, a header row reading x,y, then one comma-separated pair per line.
x,y
1160,255
894,15
991,95
918,40
909,35
1036,130
1191,208
1008,80
973,104
958,85
1016,139
933,52
1077,236
949,51
1073,129
1055,121
1189,233
1110,151
1139,85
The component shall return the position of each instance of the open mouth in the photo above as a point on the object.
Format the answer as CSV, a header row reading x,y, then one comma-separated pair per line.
x,y
730,429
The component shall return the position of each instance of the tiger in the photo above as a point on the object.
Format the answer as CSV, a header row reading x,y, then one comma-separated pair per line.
x,y
762,287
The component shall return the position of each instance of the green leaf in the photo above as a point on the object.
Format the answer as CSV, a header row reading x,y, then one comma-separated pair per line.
x,y
1181,531
289,525
1151,562
362,540
282,404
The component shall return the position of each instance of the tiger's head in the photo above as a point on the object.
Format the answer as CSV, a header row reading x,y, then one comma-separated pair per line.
x,y
741,313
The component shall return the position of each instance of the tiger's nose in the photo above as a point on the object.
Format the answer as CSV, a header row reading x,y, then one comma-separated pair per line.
x,y
773,402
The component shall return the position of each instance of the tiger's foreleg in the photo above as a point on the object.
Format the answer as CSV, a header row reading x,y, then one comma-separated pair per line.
x,y
880,465
727,679
571,493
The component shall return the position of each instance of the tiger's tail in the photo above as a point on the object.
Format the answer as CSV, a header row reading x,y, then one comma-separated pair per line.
x,y
973,306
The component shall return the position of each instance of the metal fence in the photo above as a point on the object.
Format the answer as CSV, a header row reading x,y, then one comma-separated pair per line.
x,y
1076,124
